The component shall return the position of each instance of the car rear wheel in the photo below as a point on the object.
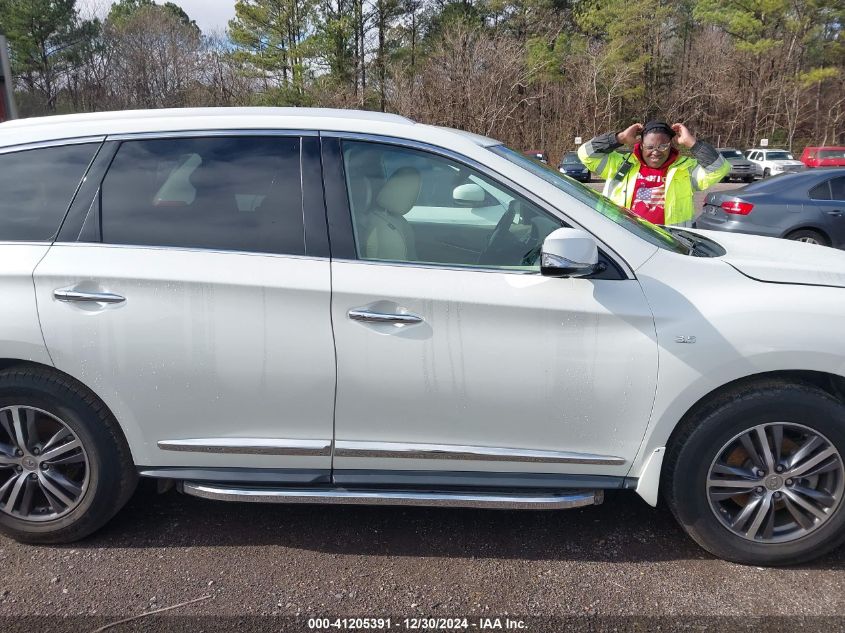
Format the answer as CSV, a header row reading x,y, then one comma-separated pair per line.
x,y
65,467
758,476
809,236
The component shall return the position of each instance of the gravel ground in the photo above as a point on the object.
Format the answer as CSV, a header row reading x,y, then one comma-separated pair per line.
x,y
597,568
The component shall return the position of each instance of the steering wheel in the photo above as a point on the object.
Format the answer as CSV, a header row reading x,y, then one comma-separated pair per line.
x,y
500,234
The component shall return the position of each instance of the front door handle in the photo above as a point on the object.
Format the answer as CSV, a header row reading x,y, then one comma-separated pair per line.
x,y
74,296
365,316
834,212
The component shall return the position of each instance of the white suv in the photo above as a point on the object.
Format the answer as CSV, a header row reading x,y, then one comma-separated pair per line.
x,y
771,162
347,307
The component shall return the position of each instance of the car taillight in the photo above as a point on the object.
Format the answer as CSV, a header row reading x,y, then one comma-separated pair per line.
x,y
736,207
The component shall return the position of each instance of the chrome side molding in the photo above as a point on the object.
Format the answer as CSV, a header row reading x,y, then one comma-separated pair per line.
x,y
347,448
504,501
250,446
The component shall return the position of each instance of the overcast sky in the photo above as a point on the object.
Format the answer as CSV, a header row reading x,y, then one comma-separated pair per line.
x,y
210,15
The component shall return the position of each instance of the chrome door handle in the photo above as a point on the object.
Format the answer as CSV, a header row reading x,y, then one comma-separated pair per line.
x,y
73,296
834,212
365,316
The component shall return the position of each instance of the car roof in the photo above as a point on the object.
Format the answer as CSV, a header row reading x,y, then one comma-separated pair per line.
x,y
798,179
101,124
767,149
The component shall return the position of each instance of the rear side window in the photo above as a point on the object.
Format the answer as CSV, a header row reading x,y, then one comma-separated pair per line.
x,y
821,191
233,193
36,188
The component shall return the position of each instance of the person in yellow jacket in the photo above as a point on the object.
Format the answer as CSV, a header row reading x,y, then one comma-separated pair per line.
x,y
654,181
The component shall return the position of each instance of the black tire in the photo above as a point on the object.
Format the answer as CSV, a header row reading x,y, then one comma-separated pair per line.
x,y
767,172
695,445
809,236
111,477
748,179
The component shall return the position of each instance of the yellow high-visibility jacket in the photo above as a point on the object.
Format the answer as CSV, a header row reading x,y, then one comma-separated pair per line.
x,y
683,178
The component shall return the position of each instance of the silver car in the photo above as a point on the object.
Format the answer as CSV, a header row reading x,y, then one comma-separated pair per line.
x,y
741,168
808,207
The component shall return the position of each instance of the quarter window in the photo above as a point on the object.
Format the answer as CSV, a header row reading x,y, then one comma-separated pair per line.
x,y
821,191
233,193
36,189
413,206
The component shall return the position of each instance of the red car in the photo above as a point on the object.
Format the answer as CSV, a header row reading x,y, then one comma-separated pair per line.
x,y
823,156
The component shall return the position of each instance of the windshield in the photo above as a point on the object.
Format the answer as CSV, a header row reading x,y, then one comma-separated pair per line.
x,y
571,158
643,229
731,153
778,156
832,153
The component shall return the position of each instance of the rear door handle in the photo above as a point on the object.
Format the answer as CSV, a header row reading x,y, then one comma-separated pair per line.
x,y
74,296
365,316
835,212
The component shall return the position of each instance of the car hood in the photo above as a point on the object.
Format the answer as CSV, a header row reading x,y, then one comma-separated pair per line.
x,y
785,162
781,261
736,160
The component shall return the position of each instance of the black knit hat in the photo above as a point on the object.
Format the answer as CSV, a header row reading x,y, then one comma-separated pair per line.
x,y
658,126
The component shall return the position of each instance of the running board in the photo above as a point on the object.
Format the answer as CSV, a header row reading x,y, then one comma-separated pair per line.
x,y
453,499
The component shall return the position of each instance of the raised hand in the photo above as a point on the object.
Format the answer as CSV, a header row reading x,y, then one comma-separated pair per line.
x,y
684,137
630,135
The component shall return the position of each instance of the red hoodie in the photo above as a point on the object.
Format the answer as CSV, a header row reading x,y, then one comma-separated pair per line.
x,y
650,188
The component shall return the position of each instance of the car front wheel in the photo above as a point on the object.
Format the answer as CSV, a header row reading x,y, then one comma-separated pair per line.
x,y
758,477
64,465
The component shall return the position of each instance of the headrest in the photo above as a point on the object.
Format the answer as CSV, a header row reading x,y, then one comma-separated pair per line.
x,y
400,192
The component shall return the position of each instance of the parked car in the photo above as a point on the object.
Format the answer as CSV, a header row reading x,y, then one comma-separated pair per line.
x,y
771,162
538,154
572,166
321,306
808,207
741,168
823,156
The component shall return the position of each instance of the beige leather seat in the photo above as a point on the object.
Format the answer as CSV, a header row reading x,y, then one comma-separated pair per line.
x,y
389,235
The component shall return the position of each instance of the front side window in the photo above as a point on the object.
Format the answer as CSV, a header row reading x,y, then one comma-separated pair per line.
x,y
635,224
36,189
232,193
413,206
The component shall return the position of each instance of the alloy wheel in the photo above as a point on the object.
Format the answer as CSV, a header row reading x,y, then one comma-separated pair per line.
x,y
44,469
776,482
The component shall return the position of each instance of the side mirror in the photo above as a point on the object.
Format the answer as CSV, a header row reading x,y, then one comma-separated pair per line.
x,y
469,195
569,253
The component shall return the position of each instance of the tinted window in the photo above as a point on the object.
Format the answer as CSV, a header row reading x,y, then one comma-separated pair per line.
x,y
778,156
731,153
239,193
837,188
36,188
821,191
832,153
412,206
